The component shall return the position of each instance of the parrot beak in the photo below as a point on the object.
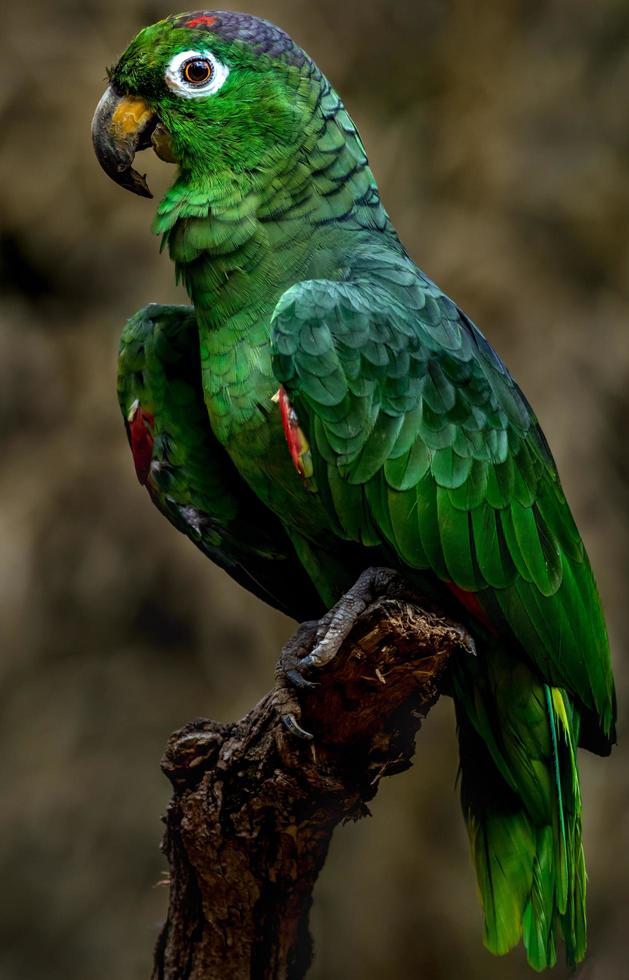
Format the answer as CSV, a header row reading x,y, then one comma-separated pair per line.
x,y
122,125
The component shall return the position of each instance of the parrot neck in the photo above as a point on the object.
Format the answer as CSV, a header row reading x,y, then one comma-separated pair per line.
x,y
240,239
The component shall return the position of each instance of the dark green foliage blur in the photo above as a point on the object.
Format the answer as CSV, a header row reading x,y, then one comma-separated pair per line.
x,y
499,134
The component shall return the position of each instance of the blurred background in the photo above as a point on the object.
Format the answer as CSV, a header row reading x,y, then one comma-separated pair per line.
x,y
499,134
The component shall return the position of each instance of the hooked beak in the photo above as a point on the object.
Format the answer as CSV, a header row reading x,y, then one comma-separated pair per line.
x,y
122,125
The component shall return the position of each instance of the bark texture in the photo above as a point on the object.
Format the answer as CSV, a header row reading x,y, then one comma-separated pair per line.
x,y
254,807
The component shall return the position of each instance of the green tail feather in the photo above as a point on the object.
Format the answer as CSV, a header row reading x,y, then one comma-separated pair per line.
x,y
522,805
572,917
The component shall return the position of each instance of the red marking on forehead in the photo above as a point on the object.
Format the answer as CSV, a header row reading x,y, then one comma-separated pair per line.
x,y
204,21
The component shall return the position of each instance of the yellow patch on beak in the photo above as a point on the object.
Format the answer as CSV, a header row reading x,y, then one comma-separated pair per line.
x,y
130,115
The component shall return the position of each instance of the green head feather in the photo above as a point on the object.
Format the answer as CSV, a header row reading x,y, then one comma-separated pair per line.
x,y
257,106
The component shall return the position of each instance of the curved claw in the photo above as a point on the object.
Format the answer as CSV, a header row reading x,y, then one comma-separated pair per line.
x,y
296,678
292,725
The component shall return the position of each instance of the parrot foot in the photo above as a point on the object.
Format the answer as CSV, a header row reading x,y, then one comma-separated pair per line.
x,y
289,677
316,643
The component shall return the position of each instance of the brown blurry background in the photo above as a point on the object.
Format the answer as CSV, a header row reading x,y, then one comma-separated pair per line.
x,y
499,134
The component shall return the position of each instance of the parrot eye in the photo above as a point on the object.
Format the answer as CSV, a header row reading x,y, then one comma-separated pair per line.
x,y
195,73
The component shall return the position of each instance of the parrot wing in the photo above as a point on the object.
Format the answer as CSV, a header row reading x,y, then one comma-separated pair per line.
x,y
420,438
188,474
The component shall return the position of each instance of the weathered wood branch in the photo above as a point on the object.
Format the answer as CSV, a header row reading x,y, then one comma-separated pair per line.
x,y
254,807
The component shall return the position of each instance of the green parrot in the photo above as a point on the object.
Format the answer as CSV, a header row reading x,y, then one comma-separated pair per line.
x,y
323,408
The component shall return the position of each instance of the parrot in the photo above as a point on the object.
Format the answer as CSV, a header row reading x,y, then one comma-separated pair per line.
x,y
323,408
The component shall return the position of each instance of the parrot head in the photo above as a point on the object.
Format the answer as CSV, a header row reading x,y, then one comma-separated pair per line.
x,y
212,91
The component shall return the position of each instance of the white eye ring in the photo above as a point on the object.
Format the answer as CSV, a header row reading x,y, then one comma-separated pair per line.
x,y
177,83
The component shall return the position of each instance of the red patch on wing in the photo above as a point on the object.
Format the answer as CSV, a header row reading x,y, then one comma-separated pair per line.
x,y
203,21
140,428
294,436
473,606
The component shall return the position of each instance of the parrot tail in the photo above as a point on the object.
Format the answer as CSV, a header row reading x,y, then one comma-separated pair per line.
x,y
522,806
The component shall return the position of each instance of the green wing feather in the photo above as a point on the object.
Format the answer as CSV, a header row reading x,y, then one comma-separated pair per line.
x,y
191,479
394,385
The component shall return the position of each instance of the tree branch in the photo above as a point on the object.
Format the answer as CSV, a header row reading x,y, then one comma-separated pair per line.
x,y
254,807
